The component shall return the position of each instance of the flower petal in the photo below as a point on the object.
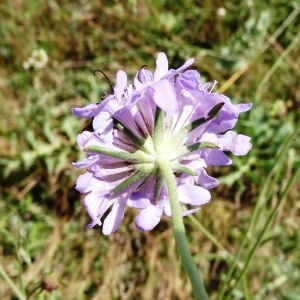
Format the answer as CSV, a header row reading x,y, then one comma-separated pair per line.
x,y
243,107
83,182
92,204
189,212
88,111
138,200
164,96
191,194
87,162
215,157
121,82
114,218
206,181
187,64
149,217
162,66
238,144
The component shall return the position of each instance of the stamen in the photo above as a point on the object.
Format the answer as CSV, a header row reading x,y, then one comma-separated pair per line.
x,y
213,86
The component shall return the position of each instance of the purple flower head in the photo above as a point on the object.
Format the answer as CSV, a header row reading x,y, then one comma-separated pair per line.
x,y
168,115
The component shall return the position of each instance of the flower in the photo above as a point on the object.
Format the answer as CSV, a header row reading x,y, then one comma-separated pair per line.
x,y
221,11
37,60
165,116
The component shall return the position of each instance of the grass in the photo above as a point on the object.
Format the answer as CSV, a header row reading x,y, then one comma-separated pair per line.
x,y
245,242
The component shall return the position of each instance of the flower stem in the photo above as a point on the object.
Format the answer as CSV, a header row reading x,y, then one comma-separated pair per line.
x,y
179,230
12,285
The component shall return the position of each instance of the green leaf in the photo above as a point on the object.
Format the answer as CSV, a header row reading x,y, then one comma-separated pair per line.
x,y
136,157
193,125
202,145
183,169
135,139
144,171
211,114
158,186
185,150
159,134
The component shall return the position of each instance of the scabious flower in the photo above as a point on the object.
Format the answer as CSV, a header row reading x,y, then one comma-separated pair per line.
x,y
165,116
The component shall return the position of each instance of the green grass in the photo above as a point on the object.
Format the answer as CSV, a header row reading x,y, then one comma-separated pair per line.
x,y
245,242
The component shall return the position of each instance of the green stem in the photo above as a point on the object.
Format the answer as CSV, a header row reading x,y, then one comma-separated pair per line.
x,y
262,199
12,285
209,236
271,217
179,230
